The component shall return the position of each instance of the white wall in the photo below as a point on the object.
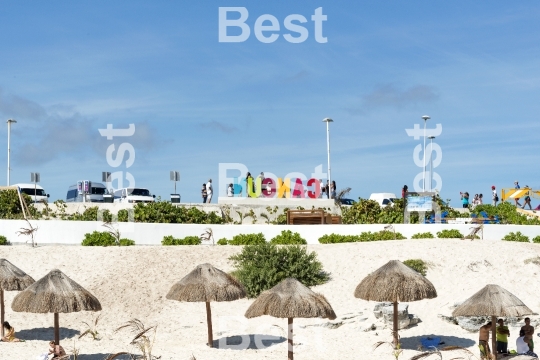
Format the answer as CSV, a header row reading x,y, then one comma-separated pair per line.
x,y
72,232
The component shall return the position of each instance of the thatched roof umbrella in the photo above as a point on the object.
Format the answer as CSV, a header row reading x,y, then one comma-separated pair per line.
x,y
55,293
395,282
206,284
291,299
493,301
11,279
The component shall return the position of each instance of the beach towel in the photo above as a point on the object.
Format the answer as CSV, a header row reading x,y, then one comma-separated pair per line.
x,y
44,356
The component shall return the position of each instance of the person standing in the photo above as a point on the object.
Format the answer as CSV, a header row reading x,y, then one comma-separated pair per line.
x,y
494,196
528,329
517,187
248,176
327,189
527,200
502,337
261,176
465,199
333,190
483,341
204,193
230,190
480,199
209,191
404,191
323,189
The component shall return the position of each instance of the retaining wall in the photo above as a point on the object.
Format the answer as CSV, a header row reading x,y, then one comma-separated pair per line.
x,y
72,232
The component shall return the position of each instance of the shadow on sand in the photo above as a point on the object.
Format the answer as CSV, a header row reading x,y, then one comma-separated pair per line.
x,y
45,333
242,342
413,342
101,357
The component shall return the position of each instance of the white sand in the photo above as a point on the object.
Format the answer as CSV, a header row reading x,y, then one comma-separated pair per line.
x,y
132,283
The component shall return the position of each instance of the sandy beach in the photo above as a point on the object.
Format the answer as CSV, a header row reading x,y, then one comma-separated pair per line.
x,y
131,282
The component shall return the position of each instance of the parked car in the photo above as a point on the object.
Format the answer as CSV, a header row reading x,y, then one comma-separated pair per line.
x,y
95,193
133,195
348,202
384,199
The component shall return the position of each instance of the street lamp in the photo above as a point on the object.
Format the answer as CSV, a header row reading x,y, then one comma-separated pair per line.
x,y
426,118
431,163
9,147
328,121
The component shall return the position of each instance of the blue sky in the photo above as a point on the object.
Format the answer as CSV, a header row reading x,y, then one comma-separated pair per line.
x,y
68,69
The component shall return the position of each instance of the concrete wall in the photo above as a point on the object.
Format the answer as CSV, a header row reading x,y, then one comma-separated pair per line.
x,y
72,232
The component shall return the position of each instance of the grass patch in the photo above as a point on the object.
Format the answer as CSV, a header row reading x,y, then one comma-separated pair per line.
x,y
517,236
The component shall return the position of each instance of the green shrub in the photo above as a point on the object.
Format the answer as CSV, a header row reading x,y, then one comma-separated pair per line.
x,y
262,266
123,215
518,236
223,241
536,239
287,237
426,235
417,265
127,242
380,235
449,234
247,239
98,238
337,238
165,212
188,240
3,240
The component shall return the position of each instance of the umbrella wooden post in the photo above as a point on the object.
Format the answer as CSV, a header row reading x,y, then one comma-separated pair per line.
x,y
209,322
56,329
2,310
395,321
494,337
290,353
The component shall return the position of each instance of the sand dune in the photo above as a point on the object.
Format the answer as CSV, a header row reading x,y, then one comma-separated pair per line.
x,y
132,283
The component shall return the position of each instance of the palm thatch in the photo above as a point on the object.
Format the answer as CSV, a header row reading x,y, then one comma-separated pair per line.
x,y
206,284
395,282
12,278
55,293
492,300
291,299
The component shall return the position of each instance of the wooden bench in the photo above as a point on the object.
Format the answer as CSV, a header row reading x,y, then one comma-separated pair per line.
x,y
311,217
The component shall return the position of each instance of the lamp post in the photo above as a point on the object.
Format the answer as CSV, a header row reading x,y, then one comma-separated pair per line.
x,y
426,118
9,148
431,163
328,121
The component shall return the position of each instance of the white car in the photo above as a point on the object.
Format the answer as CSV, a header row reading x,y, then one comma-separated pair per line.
x,y
133,195
384,199
36,192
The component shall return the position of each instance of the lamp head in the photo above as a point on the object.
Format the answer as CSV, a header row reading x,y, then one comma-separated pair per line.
x,y
328,120
431,137
11,121
426,117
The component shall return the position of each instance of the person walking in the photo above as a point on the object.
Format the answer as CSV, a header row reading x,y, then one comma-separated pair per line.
x,y
517,187
527,200
209,191
494,196
204,193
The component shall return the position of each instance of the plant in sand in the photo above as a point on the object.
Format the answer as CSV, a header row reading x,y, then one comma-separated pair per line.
x,y
144,340
449,234
91,329
3,240
74,351
426,235
396,348
417,265
29,231
517,236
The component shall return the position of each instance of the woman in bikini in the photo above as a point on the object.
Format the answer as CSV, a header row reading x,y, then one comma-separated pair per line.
x,y
10,334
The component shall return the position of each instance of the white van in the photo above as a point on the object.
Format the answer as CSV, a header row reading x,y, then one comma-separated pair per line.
x,y
384,199
37,193
133,195
97,190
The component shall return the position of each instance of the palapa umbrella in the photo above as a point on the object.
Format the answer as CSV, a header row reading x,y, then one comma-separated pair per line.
x,y
206,284
395,282
55,293
11,279
291,299
494,301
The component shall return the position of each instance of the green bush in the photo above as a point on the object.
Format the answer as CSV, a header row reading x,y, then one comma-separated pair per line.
x,y
10,205
518,236
223,241
426,235
287,237
247,239
380,235
536,239
449,234
165,212
3,240
262,266
98,238
337,238
188,240
417,265
127,242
